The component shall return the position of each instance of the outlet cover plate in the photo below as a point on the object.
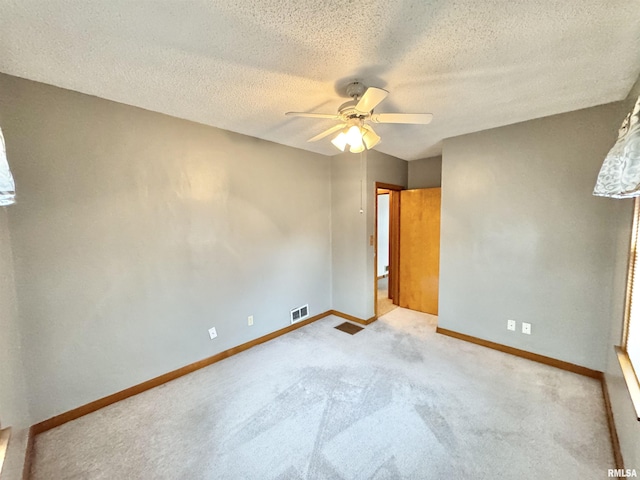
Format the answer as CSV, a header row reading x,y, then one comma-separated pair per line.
x,y
212,333
250,320
526,328
511,325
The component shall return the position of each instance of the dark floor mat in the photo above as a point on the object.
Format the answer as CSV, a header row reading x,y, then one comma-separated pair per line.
x,y
349,328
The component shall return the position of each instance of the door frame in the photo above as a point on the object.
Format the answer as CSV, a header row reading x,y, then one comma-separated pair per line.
x,y
394,253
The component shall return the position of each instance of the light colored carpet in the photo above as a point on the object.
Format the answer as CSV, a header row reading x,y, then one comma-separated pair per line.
x,y
385,304
395,401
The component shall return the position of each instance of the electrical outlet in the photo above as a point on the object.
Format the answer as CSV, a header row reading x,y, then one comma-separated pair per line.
x,y
526,328
250,320
511,325
212,333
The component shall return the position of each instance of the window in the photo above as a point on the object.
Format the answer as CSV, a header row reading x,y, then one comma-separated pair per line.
x,y
629,353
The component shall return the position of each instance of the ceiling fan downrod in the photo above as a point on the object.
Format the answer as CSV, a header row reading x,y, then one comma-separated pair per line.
x,y
355,90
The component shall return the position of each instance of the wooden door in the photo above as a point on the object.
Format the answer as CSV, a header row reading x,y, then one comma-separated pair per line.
x,y
394,245
420,249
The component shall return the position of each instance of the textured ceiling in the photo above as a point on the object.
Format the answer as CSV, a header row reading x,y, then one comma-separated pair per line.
x,y
239,65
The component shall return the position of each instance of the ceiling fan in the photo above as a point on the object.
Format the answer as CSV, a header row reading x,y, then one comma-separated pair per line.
x,y
353,115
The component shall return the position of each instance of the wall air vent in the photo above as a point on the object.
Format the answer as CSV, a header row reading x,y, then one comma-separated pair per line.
x,y
299,313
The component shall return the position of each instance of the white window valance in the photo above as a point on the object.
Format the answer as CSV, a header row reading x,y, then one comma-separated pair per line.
x,y
7,185
619,176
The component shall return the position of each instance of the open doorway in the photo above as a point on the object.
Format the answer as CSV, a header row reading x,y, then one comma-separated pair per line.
x,y
387,241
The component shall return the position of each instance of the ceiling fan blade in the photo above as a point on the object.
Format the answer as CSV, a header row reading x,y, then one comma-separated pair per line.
x,y
371,98
417,118
370,138
313,115
327,132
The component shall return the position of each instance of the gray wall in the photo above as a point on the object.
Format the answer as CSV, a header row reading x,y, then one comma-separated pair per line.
x,y
348,236
624,415
135,232
523,238
425,173
13,393
352,256
13,390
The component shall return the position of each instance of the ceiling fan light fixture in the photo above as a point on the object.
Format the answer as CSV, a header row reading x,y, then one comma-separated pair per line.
x,y
351,136
354,136
357,148
370,139
354,115
340,141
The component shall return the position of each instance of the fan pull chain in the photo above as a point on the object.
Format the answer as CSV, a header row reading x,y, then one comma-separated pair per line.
x,y
363,159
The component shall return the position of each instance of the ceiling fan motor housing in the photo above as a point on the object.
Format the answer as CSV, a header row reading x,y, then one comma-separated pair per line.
x,y
348,111
355,90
